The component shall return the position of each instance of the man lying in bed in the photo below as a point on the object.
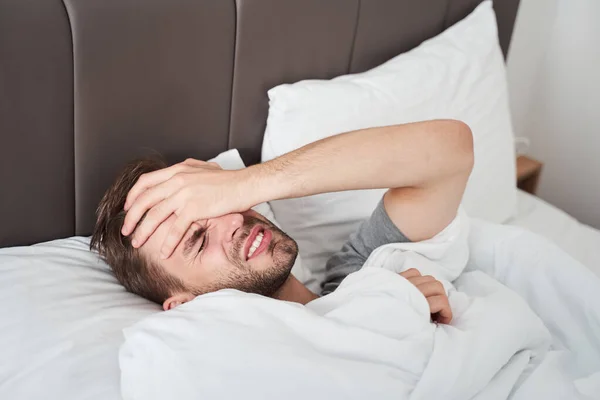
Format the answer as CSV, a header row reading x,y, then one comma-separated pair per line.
x,y
173,233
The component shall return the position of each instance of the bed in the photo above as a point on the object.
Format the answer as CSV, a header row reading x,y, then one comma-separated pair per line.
x,y
577,239
89,85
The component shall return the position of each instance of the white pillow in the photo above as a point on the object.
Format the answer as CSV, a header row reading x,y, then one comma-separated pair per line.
x,y
458,74
62,318
61,321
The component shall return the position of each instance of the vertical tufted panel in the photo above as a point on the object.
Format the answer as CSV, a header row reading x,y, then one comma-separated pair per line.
x,y
387,28
149,76
283,41
506,15
36,122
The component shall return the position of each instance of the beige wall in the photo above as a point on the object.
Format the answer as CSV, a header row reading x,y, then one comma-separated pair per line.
x,y
554,83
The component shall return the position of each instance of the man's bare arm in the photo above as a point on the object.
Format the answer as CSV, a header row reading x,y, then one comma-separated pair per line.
x,y
426,164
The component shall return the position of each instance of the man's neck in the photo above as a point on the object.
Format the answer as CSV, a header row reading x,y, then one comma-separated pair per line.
x,y
293,290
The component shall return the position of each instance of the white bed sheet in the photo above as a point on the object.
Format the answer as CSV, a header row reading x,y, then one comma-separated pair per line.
x,y
581,241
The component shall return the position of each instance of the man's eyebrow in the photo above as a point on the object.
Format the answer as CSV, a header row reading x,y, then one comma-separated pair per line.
x,y
192,240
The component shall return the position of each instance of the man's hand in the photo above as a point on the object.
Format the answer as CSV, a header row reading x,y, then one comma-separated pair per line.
x,y
192,190
434,292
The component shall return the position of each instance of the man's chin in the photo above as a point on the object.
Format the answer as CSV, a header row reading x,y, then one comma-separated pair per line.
x,y
277,285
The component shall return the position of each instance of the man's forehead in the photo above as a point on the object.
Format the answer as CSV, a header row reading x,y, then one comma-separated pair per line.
x,y
155,241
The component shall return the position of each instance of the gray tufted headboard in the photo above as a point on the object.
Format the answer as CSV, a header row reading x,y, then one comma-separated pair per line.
x,y
87,85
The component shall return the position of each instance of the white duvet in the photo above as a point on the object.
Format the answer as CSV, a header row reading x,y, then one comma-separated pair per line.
x,y
526,326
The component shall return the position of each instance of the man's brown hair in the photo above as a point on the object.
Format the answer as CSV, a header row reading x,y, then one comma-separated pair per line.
x,y
132,269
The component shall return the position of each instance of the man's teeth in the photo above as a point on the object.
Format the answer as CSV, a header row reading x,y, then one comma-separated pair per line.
x,y
255,244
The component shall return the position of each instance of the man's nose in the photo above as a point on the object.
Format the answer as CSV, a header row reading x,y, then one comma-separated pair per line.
x,y
231,223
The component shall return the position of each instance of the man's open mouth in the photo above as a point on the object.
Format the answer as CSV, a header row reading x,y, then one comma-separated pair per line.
x,y
257,242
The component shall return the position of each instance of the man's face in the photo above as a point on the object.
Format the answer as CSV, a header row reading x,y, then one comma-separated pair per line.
x,y
236,251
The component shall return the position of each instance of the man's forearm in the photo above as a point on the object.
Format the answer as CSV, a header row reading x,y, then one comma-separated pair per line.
x,y
410,155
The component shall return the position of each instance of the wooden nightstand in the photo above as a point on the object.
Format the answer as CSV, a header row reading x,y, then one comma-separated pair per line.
x,y
528,174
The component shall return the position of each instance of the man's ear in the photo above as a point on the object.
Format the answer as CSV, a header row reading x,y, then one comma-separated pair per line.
x,y
177,300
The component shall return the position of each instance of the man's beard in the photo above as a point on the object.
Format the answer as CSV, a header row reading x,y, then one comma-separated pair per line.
x,y
283,251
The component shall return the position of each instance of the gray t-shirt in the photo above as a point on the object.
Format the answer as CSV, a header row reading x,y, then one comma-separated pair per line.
x,y
372,233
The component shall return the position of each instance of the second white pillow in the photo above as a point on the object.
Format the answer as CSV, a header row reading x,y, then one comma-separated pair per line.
x,y
458,74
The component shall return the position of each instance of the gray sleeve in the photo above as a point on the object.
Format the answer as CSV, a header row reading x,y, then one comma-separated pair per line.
x,y
372,233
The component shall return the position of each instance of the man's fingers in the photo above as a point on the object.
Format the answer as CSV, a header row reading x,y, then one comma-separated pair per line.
x,y
156,177
192,162
434,292
443,318
176,233
419,280
199,163
437,303
431,288
410,273
151,179
440,306
154,218
145,202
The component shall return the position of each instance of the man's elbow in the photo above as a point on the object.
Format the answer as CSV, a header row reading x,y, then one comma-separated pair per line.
x,y
462,144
